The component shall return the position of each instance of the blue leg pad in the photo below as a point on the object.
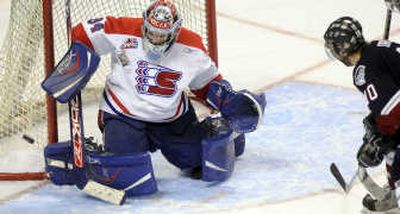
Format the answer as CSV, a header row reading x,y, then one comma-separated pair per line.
x,y
240,142
130,172
218,156
59,163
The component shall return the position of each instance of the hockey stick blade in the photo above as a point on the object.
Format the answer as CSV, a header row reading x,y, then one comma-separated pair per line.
x,y
105,193
388,20
372,187
338,176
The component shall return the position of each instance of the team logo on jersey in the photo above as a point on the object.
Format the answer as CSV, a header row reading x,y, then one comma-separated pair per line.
x,y
123,58
130,43
359,75
156,80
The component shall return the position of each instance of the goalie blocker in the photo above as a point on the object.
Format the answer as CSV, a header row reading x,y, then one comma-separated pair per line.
x,y
72,73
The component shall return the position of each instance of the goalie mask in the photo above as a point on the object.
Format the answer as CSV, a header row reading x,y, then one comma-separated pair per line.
x,y
343,38
161,26
394,5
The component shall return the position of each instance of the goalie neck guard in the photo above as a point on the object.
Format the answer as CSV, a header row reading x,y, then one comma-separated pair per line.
x,y
161,26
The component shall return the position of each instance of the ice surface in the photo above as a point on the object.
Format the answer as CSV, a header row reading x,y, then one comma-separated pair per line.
x,y
305,128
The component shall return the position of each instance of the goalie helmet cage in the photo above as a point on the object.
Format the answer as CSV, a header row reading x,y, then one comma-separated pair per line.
x,y
37,38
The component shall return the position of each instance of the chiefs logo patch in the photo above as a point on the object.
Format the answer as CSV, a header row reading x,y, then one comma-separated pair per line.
x,y
156,80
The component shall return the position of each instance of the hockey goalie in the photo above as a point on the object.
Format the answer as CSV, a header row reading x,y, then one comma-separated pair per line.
x,y
145,107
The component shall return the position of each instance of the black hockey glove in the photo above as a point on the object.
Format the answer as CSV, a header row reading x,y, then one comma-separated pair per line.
x,y
370,154
374,146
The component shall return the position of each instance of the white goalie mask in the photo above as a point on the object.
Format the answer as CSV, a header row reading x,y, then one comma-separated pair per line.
x,y
161,26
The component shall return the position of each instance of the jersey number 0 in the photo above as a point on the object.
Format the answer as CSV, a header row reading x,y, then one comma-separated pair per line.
x,y
370,92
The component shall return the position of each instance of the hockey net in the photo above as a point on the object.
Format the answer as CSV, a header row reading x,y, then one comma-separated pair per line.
x,y
35,39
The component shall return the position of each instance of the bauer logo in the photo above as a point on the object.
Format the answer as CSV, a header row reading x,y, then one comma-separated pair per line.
x,y
156,80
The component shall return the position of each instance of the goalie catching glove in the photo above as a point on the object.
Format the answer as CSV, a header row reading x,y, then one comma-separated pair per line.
x,y
72,73
242,109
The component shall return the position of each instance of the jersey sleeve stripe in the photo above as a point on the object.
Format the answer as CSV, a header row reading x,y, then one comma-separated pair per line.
x,y
391,104
124,25
79,34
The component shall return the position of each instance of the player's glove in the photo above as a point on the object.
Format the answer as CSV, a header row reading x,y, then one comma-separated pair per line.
x,y
374,146
370,154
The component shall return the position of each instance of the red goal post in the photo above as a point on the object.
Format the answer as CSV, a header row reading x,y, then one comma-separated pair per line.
x,y
37,38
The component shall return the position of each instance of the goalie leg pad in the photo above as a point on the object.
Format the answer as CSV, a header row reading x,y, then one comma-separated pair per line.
x,y
130,172
218,158
240,142
59,164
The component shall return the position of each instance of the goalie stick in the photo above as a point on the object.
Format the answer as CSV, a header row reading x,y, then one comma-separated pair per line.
x,y
92,188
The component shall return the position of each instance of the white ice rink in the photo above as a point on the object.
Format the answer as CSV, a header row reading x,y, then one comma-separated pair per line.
x,y
313,118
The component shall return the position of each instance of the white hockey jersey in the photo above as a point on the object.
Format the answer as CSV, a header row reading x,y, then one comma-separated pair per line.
x,y
139,88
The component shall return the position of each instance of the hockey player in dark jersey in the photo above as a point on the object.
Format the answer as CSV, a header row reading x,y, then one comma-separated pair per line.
x,y
376,74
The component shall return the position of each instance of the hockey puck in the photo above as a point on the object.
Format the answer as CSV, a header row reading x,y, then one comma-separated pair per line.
x,y
28,139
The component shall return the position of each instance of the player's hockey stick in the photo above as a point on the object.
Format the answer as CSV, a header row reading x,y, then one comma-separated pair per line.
x,y
376,191
387,24
373,188
339,178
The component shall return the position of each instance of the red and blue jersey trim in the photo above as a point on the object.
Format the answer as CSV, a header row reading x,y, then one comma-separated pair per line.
x,y
119,109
